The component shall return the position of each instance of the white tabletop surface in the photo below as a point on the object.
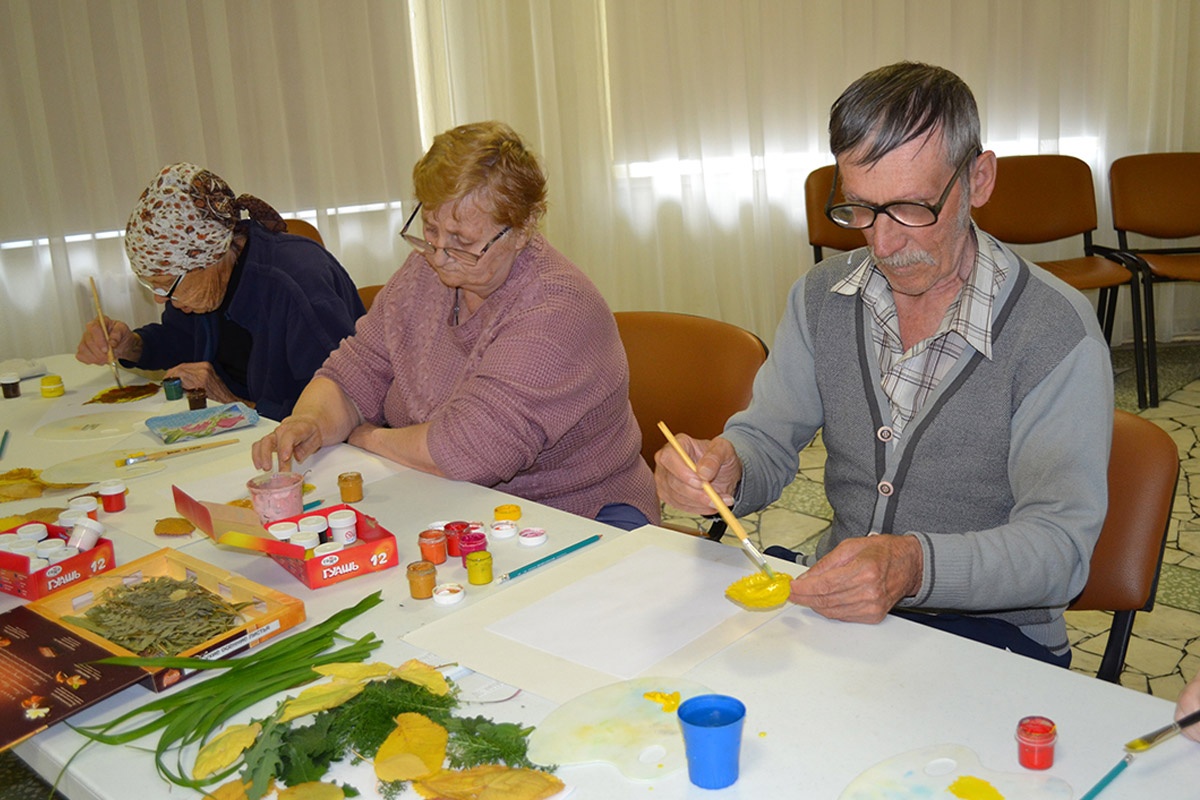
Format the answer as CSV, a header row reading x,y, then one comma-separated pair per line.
x,y
825,700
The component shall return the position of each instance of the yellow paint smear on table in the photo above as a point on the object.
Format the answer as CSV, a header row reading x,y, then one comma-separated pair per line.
x,y
760,590
968,787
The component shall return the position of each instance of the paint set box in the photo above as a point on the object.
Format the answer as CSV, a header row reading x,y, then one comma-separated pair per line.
x,y
374,551
14,568
51,665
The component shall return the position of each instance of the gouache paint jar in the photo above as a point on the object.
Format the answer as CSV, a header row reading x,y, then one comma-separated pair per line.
x,y
422,577
1035,742
112,495
350,484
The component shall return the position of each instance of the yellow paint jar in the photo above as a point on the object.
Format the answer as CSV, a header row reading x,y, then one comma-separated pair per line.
x,y
52,386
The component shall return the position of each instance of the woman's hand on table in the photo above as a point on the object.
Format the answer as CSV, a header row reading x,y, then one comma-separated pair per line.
x,y
201,375
93,347
297,437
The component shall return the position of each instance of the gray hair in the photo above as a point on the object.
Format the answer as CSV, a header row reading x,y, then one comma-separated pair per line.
x,y
893,105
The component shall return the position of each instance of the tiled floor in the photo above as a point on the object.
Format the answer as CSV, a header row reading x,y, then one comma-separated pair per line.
x,y
1166,644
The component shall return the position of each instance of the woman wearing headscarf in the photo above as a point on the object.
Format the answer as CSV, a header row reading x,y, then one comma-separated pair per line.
x,y
250,312
488,357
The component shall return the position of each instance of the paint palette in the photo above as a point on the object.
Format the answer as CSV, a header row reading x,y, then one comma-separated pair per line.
x,y
950,772
619,725
99,425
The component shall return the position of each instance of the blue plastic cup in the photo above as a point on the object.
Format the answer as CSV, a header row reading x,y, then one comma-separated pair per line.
x,y
712,738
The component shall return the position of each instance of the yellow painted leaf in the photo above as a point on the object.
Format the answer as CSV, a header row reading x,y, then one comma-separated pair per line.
x,y
354,672
490,782
224,749
416,749
233,790
320,697
760,591
422,674
313,790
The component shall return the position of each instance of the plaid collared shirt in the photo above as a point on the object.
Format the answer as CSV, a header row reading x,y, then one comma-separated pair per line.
x,y
909,378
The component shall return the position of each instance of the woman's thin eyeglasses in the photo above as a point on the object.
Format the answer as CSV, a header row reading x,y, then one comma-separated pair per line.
x,y
464,257
165,294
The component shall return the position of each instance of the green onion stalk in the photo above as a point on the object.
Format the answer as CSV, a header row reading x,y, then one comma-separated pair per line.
x,y
195,713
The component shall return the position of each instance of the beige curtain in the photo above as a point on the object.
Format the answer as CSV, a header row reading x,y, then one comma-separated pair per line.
x,y
677,133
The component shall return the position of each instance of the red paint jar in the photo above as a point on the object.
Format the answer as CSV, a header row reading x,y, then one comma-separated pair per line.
x,y
112,496
433,546
471,542
1035,742
453,531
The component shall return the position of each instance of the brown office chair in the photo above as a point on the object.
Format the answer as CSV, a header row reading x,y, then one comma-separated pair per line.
x,y
1045,198
1157,195
822,232
299,227
1142,473
367,293
690,372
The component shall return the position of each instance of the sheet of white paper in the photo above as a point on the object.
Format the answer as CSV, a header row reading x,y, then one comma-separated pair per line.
x,y
590,624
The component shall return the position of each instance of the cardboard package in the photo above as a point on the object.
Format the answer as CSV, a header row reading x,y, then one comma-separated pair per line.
x,y
14,568
240,527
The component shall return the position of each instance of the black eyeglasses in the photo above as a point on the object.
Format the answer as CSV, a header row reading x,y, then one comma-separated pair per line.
x,y
464,257
165,294
909,213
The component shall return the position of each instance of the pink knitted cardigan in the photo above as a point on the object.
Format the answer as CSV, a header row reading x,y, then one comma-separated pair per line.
x,y
529,395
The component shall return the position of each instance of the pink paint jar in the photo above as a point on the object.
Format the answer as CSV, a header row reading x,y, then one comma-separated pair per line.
x,y
453,531
1035,742
276,495
471,542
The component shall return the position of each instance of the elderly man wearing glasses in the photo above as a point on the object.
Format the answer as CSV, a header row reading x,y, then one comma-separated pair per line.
x,y
249,312
488,357
963,394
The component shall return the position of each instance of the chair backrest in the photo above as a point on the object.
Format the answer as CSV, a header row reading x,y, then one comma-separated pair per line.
x,y
300,227
1039,199
1142,473
691,372
822,232
367,294
1156,194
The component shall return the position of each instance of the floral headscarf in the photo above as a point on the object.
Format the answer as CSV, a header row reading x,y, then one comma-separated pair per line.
x,y
185,219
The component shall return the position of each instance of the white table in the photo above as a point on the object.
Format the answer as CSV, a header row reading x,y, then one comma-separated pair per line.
x,y
825,700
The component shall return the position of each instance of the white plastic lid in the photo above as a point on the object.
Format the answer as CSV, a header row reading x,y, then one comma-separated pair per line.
x,y
84,503
532,537
326,549
283,530
313,524
112,487
342,518
9,377
34,531
447,594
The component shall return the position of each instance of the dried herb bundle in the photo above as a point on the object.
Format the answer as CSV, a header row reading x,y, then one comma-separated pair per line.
x,y
161,616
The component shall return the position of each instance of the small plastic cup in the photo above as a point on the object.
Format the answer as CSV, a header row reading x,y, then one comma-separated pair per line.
x,y
1035,742
173,388
34,531
283,531
350,486
471,542
433,546
479,567
712,738
276,495
85,534
422,577
52,386
197,399
112,495
314,523
10,383
343,527
453,531
85,503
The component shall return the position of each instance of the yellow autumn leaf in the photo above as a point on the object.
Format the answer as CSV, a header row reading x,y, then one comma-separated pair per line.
x,y
224,749
313,790
354,672
490,782
320,697
233,790
422,674
414,750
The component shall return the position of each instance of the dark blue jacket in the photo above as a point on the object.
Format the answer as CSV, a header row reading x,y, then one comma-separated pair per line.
x,y
296,301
